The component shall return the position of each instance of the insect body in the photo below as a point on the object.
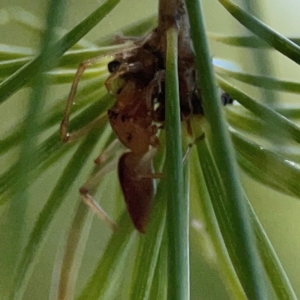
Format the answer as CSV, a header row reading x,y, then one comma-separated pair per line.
x,y
130,118
137,80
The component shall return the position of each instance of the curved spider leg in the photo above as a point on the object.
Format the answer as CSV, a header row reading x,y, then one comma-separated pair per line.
x,y
97,209
138,40
105,163
76,135
190,146
109,152
65,135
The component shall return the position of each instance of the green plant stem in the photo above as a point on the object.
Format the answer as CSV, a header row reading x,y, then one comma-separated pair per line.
x,y
177,219
28,147
275,121
146,259
109,271
278,278
261,81
69,266
240,240
246,41
28,72
211,224
270,36
282,174
37,98
274,270
38,233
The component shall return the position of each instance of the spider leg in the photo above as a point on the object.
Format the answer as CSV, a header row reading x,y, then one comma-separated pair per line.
x,y
105,163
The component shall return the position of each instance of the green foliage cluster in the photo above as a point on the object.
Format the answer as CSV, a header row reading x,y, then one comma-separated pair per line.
x,y
222,220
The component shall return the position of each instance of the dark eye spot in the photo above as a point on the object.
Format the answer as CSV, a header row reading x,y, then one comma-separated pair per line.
x,y
112,114
226,99
113,66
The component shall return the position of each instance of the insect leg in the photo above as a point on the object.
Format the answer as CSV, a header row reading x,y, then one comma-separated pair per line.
x,y
105,162
139,41
66,117
111,151
97,209
190,146
103,166
75,135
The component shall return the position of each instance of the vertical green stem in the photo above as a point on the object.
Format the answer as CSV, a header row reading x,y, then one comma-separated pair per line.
x,y
238,234
28,148
177,211
20,78
72,254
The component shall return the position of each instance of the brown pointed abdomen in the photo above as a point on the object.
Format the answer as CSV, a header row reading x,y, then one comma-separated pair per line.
x,y
138,191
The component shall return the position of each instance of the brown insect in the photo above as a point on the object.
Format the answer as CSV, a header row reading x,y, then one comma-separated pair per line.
x,y
137,81
131,120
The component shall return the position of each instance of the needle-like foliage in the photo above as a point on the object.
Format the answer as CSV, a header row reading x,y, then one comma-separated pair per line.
x,y
201,211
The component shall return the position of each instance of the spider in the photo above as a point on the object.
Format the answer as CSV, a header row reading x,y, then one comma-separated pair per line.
x,y
137,81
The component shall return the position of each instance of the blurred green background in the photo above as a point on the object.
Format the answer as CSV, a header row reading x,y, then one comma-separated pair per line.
x,y
278,213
